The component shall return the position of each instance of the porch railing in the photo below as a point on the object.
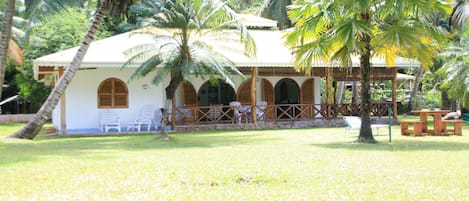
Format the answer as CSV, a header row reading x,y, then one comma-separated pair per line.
x,y
282,112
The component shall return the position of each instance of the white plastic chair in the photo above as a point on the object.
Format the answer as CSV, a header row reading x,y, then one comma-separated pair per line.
x,y
145,119
353,122
236,111
260,110
110,120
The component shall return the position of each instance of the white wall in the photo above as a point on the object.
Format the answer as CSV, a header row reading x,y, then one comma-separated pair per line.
x,y
82,110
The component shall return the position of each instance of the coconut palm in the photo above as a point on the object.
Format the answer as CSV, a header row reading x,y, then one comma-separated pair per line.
x,y
460,14
188,35
456,68
31,129
338,30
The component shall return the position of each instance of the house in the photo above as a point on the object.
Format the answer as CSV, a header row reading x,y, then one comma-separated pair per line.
x,y
102,84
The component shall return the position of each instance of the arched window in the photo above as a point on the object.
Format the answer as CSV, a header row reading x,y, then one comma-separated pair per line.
x,y
113,93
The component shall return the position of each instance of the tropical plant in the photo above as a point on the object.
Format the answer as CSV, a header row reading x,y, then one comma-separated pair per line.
x,y
339,30
31,129
456,69
186,40
460,14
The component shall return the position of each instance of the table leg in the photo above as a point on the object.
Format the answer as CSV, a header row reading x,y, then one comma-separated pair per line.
x,y
437,124
423,118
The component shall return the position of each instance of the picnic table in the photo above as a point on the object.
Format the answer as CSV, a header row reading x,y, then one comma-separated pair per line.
x,y
438,126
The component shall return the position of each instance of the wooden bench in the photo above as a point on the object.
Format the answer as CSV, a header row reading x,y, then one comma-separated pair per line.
x,y
457,126
417,130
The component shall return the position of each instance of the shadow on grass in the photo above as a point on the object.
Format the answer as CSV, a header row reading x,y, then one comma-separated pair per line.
x,y
401,145
98,147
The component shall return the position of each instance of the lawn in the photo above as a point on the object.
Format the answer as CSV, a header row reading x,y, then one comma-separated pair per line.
x,y
290,164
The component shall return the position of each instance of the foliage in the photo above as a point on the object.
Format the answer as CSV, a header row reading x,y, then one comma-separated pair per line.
x,y
289,164
456,69
336,31
59,32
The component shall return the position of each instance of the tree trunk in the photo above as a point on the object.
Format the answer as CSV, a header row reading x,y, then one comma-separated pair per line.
x,y
5,37
413,94
366,134
32,128
170,91
354,92
340,92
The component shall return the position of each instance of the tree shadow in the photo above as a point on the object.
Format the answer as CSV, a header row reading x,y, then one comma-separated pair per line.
x,y
398,145
95,147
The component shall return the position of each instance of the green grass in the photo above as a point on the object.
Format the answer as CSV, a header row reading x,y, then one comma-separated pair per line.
x,y
290,164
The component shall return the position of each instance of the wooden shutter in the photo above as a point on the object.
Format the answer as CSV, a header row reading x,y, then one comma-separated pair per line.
x,y
112,93
244,93
307,97
189,94
307,92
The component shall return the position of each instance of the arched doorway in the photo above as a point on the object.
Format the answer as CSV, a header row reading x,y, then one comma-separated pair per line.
x,y
287,92
218,94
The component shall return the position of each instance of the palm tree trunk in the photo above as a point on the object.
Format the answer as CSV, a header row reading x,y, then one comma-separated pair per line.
x,y
31,129
5,36
413,94
340,92
366,134
170,91
354,92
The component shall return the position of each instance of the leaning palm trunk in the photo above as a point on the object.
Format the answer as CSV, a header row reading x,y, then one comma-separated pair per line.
x,y
31,129
5,36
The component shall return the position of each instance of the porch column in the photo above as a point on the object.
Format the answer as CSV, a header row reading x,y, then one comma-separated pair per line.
x,y
253,94
328,91
394,92
63,119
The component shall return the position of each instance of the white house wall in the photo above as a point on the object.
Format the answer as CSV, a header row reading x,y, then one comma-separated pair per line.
x,y
82,112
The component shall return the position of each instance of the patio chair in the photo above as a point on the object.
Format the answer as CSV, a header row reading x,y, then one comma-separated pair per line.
x,y
214,112
260,110
353,122
236,105
185,115
145,119
109,120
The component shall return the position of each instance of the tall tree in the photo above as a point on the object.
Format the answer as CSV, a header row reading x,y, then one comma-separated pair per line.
x,y
32,128
5,37
277,10
187,43
339,30
456,68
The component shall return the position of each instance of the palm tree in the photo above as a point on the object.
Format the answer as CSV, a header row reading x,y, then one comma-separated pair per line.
x,y
190,31
31,129
456,68
5,37
460,14
338,30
